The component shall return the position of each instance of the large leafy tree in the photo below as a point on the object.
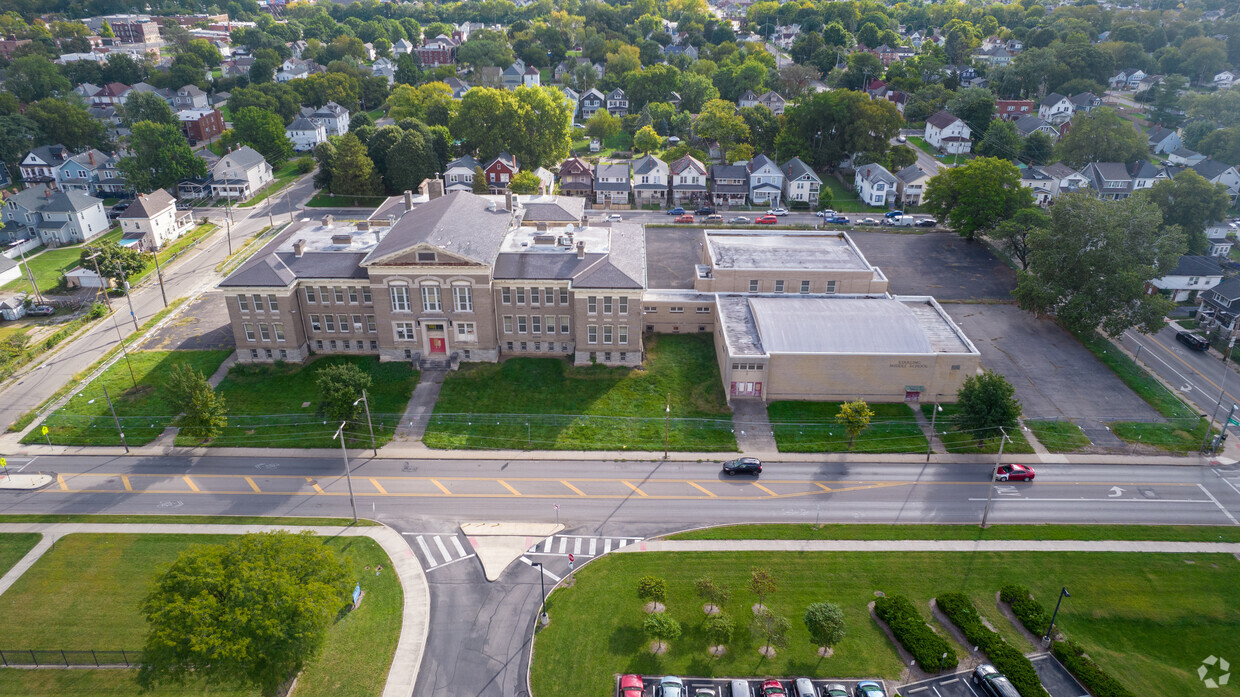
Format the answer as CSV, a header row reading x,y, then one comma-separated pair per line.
x,y
115,262
68,123
410,161
1222,144
975,106
340,387
977,196
1190,202
1012,235
31,78
544,126
832,126
160,157
252,611
651,84
825,622
1090,267
190,393
263,131
146,106
486,121
720,122
1038,149
1101,135
1002,140
16,135
696,90
986,403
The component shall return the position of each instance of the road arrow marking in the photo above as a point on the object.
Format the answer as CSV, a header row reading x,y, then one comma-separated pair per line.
x,y
1115,492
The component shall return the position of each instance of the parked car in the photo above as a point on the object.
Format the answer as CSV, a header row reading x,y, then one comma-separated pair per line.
x,y
928,222
837,220
740,688
1191,340
1015,473
631,686
704,210
743,465
678,210
825,213
893,214
869,688
40,311
993,682
766,220
867,221
670,686
777,211
714,218
686,218
614,218
738,219
835,689
802,687
772,688
901,139
705,692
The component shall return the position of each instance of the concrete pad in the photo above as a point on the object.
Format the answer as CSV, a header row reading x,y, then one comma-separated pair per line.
x,y
24,482
500,544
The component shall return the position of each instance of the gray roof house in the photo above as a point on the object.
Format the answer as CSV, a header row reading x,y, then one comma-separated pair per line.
x,y
800,182
649,178
1029,124
56,217
729,185
612,182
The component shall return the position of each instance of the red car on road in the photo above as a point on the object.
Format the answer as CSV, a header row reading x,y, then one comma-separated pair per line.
x,y
686,218
766,220
1015,473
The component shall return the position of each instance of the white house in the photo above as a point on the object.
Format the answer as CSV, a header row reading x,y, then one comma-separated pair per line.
x,y
771,100
1192,274
947,133
152,221
748,98
335,118
1027,125
766,181
459,174
649,176
1164,140
800,182
240,174
1056,109
1219,235
875,184
401,46
1127,79
305,134
55,217
688,179
1224,80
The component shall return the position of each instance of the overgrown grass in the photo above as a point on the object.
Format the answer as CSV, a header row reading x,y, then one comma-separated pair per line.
x,y
844,199
277,406
142,409
1146,618
844,531
13,546
248,248
956,441
548,404
181,519
810,427
281,178
172,251
1059,436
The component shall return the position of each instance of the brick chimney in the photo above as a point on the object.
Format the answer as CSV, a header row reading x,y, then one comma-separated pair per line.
x,y
299,248
408,200
581,250
328,220
92,157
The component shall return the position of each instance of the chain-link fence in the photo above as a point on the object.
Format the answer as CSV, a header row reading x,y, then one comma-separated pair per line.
x,y
64,658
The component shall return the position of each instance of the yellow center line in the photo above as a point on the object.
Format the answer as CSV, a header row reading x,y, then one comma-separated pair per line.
x,y
191,483
576,491
253,486
125,480
508,486
61,481
703,489
317,489
378,486
822,486
634,488
1186,365
765,489
442,488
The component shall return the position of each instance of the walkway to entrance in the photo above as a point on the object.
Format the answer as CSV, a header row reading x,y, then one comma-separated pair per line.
x,y
421,406
753,427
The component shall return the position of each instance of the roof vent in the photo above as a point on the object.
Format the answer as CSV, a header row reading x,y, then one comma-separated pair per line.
x,y
544,239
345,239
581,250
299,248
491,206
363,225
328,220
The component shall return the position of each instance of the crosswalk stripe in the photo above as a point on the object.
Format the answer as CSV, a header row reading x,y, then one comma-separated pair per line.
x,y
607,546
442,550
563,544
459,549
622,543
577,546
593,542
547,546
426,551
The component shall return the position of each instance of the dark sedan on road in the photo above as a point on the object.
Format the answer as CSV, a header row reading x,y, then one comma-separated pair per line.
x,y
1191,340
744,465
1015,473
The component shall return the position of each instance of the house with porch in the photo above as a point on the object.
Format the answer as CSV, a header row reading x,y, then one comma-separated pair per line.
x,y
240,174
729,185
875,185
459,174
948,134
56,218
152,221
612,184
649,177
800,182
688,181
500,171
577,178
766,181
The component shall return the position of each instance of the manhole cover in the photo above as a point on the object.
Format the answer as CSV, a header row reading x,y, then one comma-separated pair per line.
x,y
1148,493
267,466
170,504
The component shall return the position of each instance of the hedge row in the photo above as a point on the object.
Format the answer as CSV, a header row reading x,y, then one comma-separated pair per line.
x,y
1008,659
1029,611
1097,681
910,629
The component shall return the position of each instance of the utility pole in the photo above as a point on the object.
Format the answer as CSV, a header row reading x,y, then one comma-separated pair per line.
x,y
128,298
271,195
114,417
993,473
160,275
288,202
228,222
933,415
1222,390
30,274
95,258
369,425
115,324
347,474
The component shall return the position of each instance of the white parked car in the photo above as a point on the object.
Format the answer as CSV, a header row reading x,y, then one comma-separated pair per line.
x,y
777,211
614,218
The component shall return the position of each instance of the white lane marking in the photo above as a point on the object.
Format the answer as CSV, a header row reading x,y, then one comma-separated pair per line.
x,y
1226,481
426,551
577,546
459,549
1028,500
544,569
622,543
471,556
607,546
547,545
1226,512
970,686
593,542
442,549
563,544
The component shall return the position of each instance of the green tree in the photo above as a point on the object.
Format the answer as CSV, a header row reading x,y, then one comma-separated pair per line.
x,y
203,411
146,106
252,611
543,126
525,182
340,389
602,125
854,417
825,622
762,583
159,158
324,155
1101,135
480,182
647,140
105,31
16,134
263,131
1091,266
1190,202
115,262
1222,144
720,122
977,196
975,106
1165,107
409,162
763,127
661,628
31,78
986,403
1013,234
772,629
696,90
1038,149
862,67
830,126
353,174
713,592
719,629
1002,140
651,589
68,123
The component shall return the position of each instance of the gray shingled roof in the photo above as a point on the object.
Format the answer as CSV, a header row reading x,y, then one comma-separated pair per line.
x,y
1193,265
244,157
910,173
795,168
36,199
1051,99
761,160
458,223
565,209
941,119
302,123
648,164
148,205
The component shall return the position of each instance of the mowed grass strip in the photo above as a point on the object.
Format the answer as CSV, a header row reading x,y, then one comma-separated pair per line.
x,y
16,682
845,531
810,427
265,404
181,519
13,546
1059,436
965,442
143,409
548,404
1148,619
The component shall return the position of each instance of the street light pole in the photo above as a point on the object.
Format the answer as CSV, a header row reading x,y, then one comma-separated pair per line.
x,y
347,474
1222,390
994,473
542,606
1063,593
369,425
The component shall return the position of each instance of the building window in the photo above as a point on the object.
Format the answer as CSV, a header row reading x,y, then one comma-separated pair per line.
x,y
804,287
346,345
536,324
525,346
522,325
520,296
592,305
548,296
430,299
374,346
400,299
318,344
311,296
830,286
507,324
509,345
283,354
622,335
607,333
339,293
563,296
404,331
622,305
272,303
366,299
537,345
352,295
329,321
279,329
332,344
316,323
549,323
607,304
254,354
505,296
779,286
370,324
249,331
408,354
753,286
244,303
702,309
264,332
463,298
465,331
535,294
564,325
675,310
425,257
258,302
323,293
344,323
592,334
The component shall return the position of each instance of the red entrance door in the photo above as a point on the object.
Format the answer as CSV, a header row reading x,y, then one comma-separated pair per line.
x,y
437,346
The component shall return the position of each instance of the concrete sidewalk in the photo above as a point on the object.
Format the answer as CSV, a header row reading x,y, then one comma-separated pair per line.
x,y
415,616
933,546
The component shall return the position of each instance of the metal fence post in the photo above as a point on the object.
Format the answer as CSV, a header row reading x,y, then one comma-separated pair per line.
x,y
96,658
34,658
124,657
5,660
64,658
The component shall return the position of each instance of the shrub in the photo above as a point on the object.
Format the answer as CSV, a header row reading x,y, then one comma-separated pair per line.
x,y
1029,611
1009,660
798,205
661,627
305,165
1097,681
910,629
719,629
651,588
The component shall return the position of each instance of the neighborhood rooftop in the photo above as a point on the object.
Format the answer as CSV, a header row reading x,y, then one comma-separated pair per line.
x,y
747,250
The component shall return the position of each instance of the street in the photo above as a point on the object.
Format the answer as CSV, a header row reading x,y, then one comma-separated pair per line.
x,y
1198,375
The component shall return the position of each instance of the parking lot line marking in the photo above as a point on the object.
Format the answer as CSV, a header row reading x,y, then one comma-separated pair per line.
x,y
1226,481
460,550
759,486
426,551
253,486
577,546
508,486
317,489
634,487
607,546
443,488
703,489
191,483
622,543
125,480
378,486
593,542
563,545
1226,512
574,489
443,551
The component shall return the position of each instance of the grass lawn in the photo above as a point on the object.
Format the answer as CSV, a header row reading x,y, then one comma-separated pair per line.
x,y
810,427
17,682
142,410
1059,436
845,199
178,247
1148,619
322,200
99,582
265,404
921,144
376,114
180,519
13,546
546,403
622,141
1189,324
281,178
50,265
958,442
843,531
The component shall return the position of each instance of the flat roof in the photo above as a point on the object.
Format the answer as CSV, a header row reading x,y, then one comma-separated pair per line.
x,y
739,249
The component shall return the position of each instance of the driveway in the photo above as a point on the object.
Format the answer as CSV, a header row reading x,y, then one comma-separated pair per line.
x,y
1055,678
940,264
202,325
671,254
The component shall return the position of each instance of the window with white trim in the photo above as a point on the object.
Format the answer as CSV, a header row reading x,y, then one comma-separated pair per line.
x,y
607,304
466,331
804,287
371,326
549,323
339,293
507,324
264,332
522,324
779,286
311,296
564,324
404,331
430,299
592,305
505,296
344,323
702,309
357,323
278,327
830,286
329,322
400,299
520,296
316,323
243,303
549,296
249,331
353,295
675,309
323,293
563,296
607,333
754,285
592,334
463,298
536,324
622,305
366,299
622,335
258,302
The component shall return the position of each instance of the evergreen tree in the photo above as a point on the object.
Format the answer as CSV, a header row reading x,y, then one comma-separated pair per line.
x,y
353,174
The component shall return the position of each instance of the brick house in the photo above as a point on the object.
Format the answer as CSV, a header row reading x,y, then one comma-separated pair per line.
x,y
500,171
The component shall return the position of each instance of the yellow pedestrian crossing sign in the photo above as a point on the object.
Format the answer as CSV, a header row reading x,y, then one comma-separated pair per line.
x,y
44,430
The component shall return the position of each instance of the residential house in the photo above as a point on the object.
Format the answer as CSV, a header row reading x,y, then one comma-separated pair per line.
x,y
1219,173
688,181
384,68
577,178
1184,156
800,182
1149,81
1065,179
531,77
152,221
591,102
1220,306
993,56
297,69
239,174
1085,102
1220,237
1027,125
190,97
440,50
771,100
1041,184
513,76
911,185
885,54
1055,109
948,133
56,218
92,172
729,185
459,87
1127,79
9,45
612,183
459,175
1013,109
1163,140
305,134
1224,80
335,118
401,47
1192,275
649,176
107,114
686,50
1115,180
162,92
40,164
617,103
748,98
9,270
875,185
766,181
500,171
111,94
201,125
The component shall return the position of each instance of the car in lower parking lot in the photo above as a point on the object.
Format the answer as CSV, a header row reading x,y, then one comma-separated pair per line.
x,y
631,685
670,686
743,465
739,688
1015,473
869,688
773,688
834,689
802,687
1193,341
705,692
992,682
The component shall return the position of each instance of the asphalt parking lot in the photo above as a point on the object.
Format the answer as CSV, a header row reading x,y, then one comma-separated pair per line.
x,y
202,325
722,686
940,264
1055,678
671,254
